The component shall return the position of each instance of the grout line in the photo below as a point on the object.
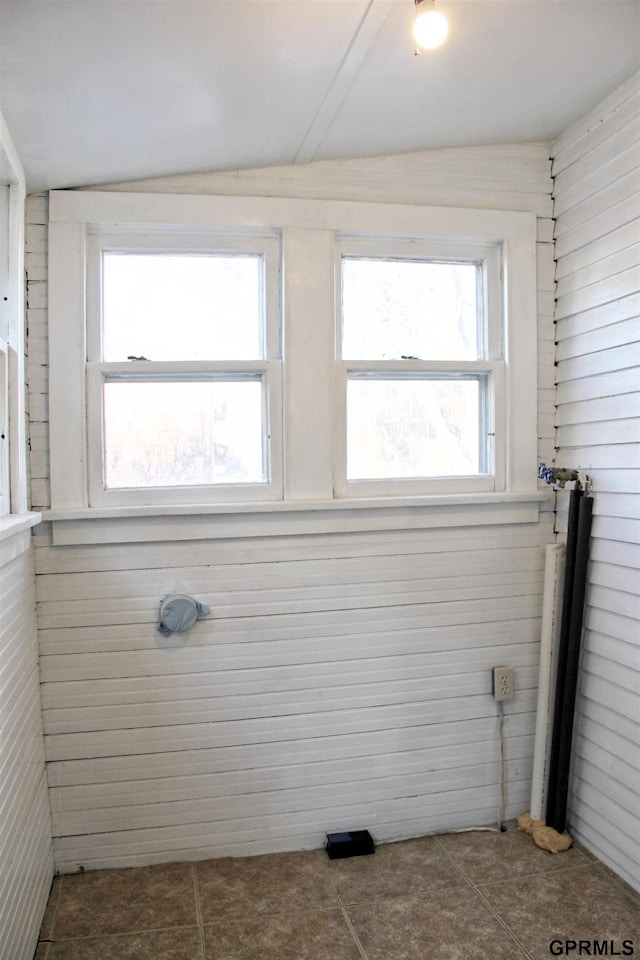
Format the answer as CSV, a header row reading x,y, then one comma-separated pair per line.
x,y
614,879
486,903
530,876
593,861
347,920
352,929
198,910
120,933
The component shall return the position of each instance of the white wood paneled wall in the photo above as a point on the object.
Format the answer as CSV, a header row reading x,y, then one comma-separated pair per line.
x,y
597,206
25,831
26,855
342,680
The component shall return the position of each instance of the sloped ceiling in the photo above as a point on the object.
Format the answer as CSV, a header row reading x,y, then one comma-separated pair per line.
x,y
96,91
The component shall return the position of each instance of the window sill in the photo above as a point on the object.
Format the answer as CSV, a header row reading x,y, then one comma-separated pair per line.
x,y
290,518
14,530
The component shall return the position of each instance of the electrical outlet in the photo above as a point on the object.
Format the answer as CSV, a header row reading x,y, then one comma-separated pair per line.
x,y
503,683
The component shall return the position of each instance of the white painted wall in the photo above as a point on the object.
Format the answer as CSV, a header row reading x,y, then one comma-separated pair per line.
x,y
26,862
26,859
597,207
343,679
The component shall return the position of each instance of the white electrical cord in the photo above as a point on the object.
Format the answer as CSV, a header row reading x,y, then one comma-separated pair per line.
x,y
502,777
499,828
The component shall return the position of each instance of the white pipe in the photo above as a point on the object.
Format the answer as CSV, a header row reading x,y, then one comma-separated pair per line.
x,y
551,616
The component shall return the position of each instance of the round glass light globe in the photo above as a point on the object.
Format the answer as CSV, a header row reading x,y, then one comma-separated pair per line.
x,y
430,29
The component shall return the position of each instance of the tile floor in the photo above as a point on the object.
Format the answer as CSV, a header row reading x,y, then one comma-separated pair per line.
x,y
465,896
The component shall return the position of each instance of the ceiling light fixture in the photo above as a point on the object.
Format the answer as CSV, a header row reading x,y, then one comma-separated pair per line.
x,y
430,28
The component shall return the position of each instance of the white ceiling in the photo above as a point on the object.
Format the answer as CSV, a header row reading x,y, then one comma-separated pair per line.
x,y
96,91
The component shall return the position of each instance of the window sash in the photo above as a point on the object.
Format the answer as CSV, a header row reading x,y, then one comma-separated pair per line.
x,y
489,367
487,255
5,473
268,373
491,375
6,263
181,241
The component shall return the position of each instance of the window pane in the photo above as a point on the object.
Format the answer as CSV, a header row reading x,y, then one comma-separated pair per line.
x,y
412,428
409,308
182,306
5,498
183,433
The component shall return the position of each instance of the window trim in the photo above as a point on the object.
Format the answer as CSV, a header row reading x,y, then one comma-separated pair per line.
x,y
309,229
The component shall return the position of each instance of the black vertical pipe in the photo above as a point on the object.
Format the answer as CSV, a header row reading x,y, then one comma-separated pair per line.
x,y
573,661
563,640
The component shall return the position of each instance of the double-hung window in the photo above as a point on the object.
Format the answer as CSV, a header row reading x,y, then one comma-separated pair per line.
x,y
5,499
421,366
263,356
183,368
15,516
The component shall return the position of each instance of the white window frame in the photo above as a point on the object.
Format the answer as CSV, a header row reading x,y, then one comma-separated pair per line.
x,y
15,516
268,371
491,367
310,231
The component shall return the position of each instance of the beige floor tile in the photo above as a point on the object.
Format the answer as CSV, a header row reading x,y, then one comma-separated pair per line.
x,y
635,894
126,901
408,901
410,868
578,904
311,936
452,925
277,883
164,945
487,856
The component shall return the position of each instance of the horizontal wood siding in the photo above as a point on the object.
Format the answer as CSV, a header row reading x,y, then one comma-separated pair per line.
x,y
25,829
342,680
321,694
597,177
